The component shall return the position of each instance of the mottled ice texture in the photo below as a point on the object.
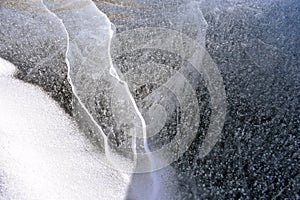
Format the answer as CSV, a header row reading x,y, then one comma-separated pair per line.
x,y
33,41
95,86
255,45
101,94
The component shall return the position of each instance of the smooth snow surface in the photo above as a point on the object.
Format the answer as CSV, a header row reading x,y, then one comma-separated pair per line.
x,y
42,153
6,68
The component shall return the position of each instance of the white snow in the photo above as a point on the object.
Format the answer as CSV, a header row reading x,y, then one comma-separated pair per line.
x,y
42,153
6,68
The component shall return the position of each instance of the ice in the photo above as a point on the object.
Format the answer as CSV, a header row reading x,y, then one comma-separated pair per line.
x,y
100,92
255,46
103,103
32,39
43,155
94,77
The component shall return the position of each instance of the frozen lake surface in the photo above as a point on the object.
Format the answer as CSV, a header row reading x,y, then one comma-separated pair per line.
x,y
98,89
